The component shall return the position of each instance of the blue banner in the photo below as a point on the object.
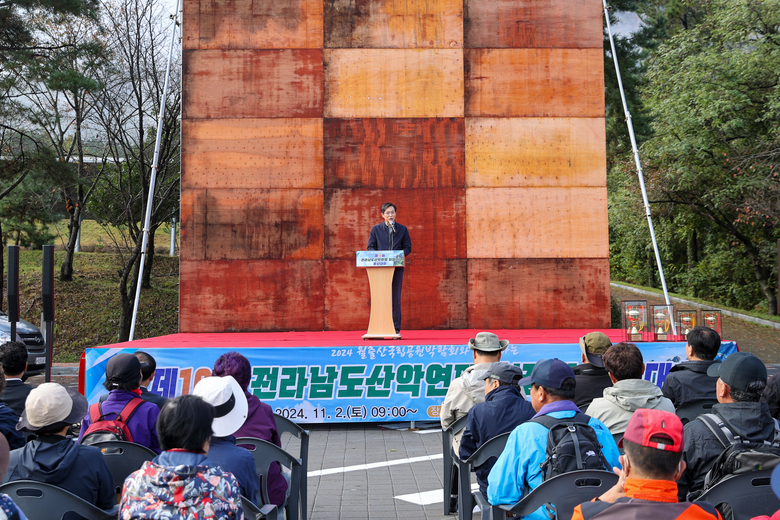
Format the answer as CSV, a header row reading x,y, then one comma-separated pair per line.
x,y
371,383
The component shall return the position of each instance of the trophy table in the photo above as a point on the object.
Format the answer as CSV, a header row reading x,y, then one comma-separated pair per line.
x,y
381,267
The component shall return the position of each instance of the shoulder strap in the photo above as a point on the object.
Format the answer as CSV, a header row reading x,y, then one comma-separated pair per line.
x,y
130,408
722,432
548,422
95,413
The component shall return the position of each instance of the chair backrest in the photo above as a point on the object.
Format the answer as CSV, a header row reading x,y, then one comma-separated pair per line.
x,y
284,425
691,411
123,458
492,448
447,436
265,453
41,501
252,512
466,499
565,492
748,494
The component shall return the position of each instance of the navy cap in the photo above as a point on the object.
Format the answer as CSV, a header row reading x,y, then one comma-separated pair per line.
x,y
549,373
739,370
504,373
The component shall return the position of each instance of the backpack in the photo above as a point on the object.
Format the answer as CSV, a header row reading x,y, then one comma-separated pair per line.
x,y
572,445
739,456
101,429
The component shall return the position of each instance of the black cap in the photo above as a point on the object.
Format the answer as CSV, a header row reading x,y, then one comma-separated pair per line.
x,y
123,368
739,370
504,372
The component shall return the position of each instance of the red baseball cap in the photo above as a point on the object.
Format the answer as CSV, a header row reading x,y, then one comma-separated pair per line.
x,y
645,424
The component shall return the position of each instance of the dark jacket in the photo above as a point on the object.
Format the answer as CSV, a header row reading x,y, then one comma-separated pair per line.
x,y
53,459
688,382
591,382
504,408
379,239
15,395
772,395
224,453
751,421
153,398
8,420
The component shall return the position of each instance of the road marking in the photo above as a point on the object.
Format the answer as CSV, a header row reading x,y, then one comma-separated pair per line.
x,y
426,498
361,467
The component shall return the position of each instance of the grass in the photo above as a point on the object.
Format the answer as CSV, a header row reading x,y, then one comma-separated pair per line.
x,y
97,238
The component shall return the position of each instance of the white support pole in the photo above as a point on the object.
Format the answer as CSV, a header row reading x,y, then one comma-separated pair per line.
x,y
173,237
153,179
638,162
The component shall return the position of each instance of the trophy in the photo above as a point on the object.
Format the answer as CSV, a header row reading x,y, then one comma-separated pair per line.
x,y
687,321
711,318
634,318
662,322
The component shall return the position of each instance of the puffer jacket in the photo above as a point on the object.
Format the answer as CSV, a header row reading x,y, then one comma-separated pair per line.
x,y
688,382
621,400
179,485
751,421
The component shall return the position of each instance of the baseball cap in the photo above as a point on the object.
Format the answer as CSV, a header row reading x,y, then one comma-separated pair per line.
x,y
594,345
487,342
646,424
503,372
549,373
49,404
228,400
123,368
739,370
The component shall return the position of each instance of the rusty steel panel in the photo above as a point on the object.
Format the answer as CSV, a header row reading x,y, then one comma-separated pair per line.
x,y
251,295
534,82
539,293
347,295
250,24
394,153
393,83
221,84
535,152
532,23
537,222
252,153
244,224
435,218
394,24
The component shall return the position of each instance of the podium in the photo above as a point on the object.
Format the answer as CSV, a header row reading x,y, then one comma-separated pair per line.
x,y
381,267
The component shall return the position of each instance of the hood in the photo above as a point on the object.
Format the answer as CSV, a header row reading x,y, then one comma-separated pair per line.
x,y
472,383
48,462
752,420
632,394
22,327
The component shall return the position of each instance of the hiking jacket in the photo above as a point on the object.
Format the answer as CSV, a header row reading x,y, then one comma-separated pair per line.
x,y
59,461
180,485
751,421
591,382
504,409
464,392
518,469
224,453
8,420
623,399
646,500
143,423
688,382
772,395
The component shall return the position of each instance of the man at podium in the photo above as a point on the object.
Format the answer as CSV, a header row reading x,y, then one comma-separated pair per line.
x,y
388,236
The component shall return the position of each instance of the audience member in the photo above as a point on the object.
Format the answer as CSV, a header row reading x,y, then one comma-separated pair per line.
x,y
688,382
123,380
230,412
591,376
181,482
7,506
772,395
519,469
629,392
147,376
741,380
469,389
50,411
8,420
13,357
260,422
651,465
504,409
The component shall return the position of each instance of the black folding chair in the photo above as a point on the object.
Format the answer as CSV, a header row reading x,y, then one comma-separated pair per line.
x,y
690,411
561,494
252,512
284,425
450,477
41,501
123,458
265,453
746,495
467,498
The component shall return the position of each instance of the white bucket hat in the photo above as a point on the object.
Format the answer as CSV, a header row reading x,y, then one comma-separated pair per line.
x,y
228,400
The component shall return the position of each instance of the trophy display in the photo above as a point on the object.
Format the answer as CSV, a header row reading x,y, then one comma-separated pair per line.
x,y
662,322
634,318
712,318
686,322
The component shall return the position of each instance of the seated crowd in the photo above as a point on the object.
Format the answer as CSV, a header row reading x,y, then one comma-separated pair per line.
x,y
198,472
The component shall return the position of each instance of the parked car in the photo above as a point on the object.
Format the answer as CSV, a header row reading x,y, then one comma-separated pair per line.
x,y
31,336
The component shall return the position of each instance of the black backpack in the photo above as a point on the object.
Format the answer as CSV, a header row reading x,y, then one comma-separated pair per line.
x,y
572,445
738,456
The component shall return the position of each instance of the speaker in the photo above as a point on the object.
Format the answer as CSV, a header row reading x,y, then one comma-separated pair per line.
x,y
48,283
13,284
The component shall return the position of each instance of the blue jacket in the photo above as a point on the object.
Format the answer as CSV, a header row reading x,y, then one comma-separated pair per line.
x,y
379,239
224,453
8,420
519,466
504,408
